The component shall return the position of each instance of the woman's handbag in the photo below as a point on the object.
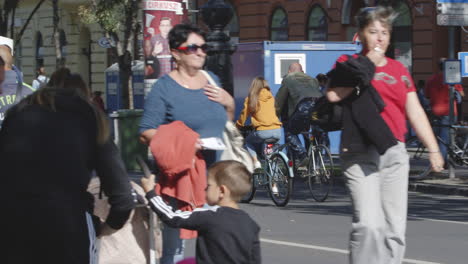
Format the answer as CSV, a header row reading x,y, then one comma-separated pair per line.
x,y
234,142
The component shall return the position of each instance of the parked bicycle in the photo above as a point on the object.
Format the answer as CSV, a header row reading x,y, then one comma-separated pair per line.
x,y
457,151
276,175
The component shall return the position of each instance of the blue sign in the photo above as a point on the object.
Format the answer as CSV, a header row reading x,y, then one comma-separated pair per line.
x,y
452,1
463,57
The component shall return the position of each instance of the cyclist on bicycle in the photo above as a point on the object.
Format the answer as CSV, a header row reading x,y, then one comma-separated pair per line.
x,y
260,106
295,87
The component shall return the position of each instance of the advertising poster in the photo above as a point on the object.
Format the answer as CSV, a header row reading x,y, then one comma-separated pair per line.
x,y
159,17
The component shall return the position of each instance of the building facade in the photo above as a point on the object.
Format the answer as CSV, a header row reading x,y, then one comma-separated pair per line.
x,y
80,50
417,41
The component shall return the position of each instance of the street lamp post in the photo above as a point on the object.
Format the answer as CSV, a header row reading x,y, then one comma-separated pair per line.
x,y
216,15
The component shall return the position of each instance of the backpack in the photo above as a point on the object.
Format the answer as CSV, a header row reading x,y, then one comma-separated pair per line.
x,y
326,115
300,119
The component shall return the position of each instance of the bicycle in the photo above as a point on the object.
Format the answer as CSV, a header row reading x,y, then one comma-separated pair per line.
x,y
275,171
457,151
319,172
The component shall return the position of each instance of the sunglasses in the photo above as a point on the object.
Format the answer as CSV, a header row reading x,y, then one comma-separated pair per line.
x,y
193,48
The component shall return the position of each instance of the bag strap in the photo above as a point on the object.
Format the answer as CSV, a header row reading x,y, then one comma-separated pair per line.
x,y
19,85
210,79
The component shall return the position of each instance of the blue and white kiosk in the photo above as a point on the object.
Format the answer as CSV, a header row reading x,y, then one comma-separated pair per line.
x,y
271,59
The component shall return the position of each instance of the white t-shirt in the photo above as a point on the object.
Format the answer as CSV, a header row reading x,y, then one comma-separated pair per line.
x,y
40,81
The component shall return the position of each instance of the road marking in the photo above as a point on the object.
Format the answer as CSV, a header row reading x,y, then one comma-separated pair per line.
x,y
329,249
436,220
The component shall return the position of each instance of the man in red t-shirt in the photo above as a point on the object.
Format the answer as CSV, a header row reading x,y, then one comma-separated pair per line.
x,y
438,94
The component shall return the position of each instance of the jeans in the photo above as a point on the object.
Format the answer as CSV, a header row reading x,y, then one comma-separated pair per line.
x,y
253,142
299,151
444,133
378,185
173,245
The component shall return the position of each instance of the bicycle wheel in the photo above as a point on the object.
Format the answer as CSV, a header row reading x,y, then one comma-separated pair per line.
x,y
281,179
320,172
415,148
250,195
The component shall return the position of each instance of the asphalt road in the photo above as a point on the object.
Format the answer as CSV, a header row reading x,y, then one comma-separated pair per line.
x,y
309,232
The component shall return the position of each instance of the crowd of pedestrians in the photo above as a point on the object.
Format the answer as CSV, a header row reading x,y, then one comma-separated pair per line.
x,y
55,135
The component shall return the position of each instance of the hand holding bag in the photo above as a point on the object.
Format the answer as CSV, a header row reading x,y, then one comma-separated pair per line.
x,y
233,140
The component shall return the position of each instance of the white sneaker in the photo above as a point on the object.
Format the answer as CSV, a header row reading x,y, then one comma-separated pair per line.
x,y
257,165
274,190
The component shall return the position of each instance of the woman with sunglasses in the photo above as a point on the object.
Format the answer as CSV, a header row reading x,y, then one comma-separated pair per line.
x,y
377,170
185,94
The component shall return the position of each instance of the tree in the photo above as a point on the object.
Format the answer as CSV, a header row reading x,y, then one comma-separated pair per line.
x,y
59,60
20,34
7,13
115,17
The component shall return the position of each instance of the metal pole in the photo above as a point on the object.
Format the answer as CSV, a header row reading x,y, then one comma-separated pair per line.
x,y
216,15
451,53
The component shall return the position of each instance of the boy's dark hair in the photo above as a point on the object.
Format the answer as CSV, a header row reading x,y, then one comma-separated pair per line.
x,y
234,175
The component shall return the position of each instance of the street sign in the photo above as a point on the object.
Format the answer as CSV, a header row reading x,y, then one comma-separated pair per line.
x,y
452,1
452,8
104,42
452,20
452,72
463,57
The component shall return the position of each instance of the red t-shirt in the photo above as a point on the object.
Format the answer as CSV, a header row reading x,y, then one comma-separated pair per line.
x,y
392,82
438,93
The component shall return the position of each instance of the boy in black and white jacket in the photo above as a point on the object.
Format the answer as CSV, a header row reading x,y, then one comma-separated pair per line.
x,y
226,234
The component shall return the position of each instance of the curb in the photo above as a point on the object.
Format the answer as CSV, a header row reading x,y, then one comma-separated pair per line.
x,y
422,187
437,189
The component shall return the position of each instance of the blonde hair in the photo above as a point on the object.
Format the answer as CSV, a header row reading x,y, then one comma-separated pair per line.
x,y
258,83
383,14
232,174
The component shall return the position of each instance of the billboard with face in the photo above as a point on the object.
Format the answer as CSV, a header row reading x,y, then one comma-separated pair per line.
x,y
159,18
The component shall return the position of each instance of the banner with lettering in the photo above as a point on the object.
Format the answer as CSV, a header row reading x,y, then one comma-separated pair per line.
x,y
159,17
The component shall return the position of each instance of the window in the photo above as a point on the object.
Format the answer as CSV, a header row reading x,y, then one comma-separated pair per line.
x,y
317,25
39,50
279,25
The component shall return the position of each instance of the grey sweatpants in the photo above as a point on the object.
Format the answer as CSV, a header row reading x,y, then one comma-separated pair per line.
x,y
378,185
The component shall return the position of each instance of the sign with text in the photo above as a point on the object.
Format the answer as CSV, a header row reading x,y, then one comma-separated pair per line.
x,y
452,1
463,57
452,20
158,19
452,12
453,8
452,72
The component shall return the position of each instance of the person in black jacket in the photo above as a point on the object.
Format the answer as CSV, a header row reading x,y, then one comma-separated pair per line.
x,y
50,143
378,95
226,234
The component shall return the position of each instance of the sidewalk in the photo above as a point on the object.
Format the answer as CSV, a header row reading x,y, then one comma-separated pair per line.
x,y
439,183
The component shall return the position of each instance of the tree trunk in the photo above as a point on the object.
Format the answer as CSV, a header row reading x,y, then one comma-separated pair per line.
x,y
20,34
6,9
58,46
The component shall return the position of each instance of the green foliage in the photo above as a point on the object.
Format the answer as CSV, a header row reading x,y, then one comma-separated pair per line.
x,y
109,14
